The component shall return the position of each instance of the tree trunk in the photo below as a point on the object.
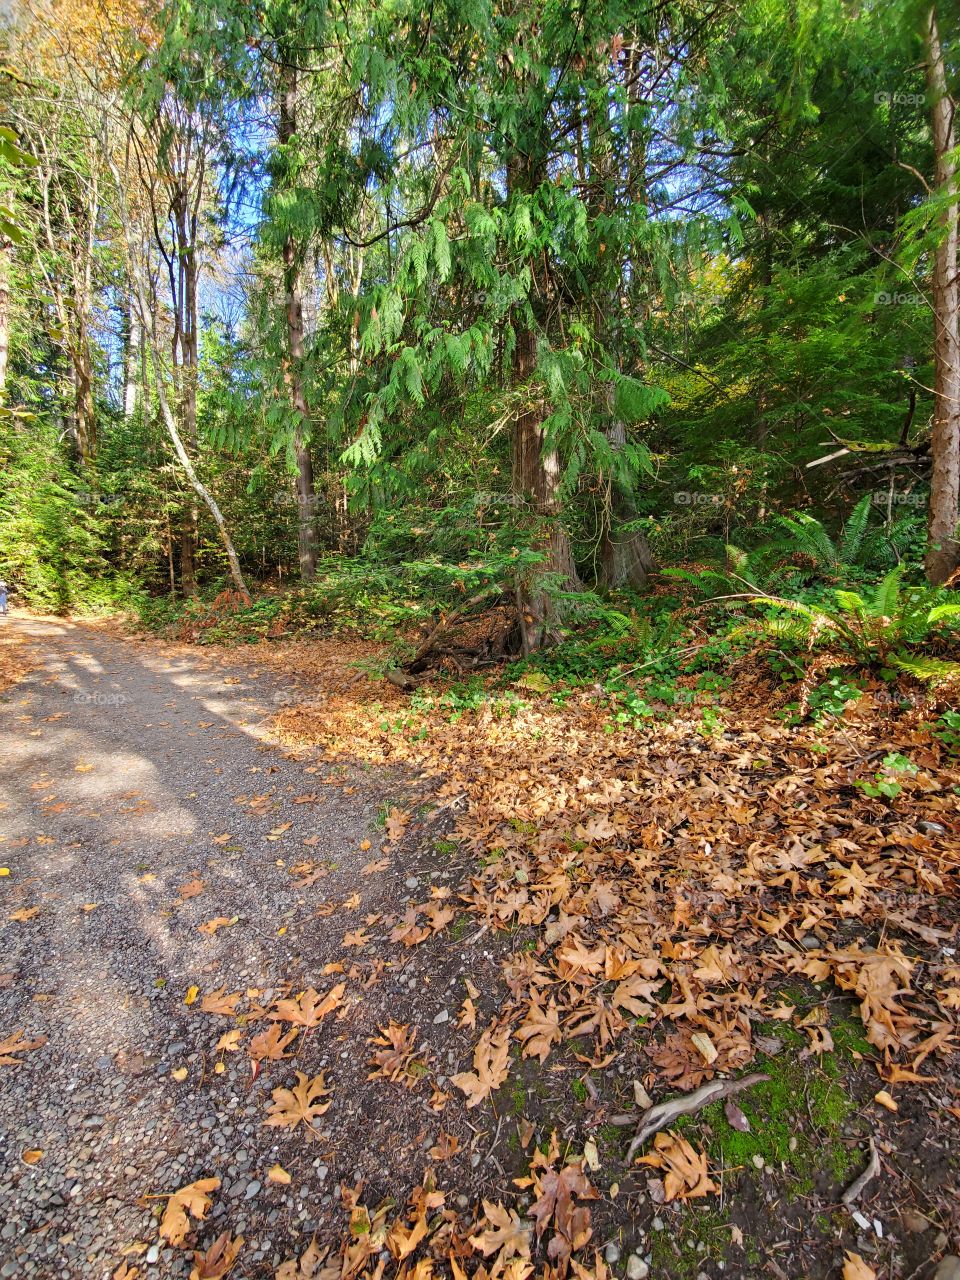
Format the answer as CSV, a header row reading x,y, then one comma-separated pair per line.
x,y
535,467
625,558
307,542
943,548
536,479
132,379
86,414
4,313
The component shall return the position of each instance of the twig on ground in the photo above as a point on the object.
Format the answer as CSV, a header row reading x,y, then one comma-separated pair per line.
x,y
857,1186
665,1113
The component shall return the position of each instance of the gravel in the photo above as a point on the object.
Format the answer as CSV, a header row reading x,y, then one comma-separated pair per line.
x,y
122,764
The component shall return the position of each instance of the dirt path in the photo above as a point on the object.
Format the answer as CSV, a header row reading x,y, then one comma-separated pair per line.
x,y
129,773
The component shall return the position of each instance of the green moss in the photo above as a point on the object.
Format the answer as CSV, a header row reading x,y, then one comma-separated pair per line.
x,y
459,928
579,1090
796,1123
446,847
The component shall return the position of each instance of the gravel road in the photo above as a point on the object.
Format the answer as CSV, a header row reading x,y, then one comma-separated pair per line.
x,y
129,771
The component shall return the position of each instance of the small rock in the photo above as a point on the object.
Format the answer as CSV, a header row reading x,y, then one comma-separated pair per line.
x,y
152,1255
758,1161
933,829
637,1269
914,1222
949,1268
442,1016
253,1189
612,1253
411,882
657,1224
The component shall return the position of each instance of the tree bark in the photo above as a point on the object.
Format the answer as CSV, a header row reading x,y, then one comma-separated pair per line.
x,y
625,558
943,548
4,313
307,541
536,467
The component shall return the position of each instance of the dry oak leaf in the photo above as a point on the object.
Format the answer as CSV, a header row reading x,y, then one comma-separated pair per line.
x,y
218,1260
491,1066
300,1105
217,1002
190,1201
504,1233
310,1009
854,1268
308,1267
371,868
685,1169
15,1044
191,888
270,1044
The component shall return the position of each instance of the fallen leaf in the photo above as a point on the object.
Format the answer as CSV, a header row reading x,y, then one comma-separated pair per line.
x,y
311,1008
491,1066
276,1173
192,993
217,1002
218,922
886,1100
218,1260
685,1169
193,1200
302,1104
269,1045
854,1268
15,1044
24,913
33,1155
445,1146
180,1074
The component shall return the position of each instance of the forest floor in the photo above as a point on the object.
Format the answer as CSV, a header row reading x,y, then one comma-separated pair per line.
x,y
286,958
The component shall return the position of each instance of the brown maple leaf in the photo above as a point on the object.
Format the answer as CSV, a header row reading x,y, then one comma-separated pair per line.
x,y
192,1200
310,1009
16,1043
308,1267
685,1168
539,1031
300,1105
218,1260
217,1002
270,1044
445,1146
491,1066
210,927
395,1059
556,1202
503,1232
192,888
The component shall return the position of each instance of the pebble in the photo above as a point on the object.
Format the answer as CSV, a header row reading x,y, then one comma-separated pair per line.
x,y
442,1016
411,882
657,1224
152,1255
637,1269
948,1269
612,1253
253,1189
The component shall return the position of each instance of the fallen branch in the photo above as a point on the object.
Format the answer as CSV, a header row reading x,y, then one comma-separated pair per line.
x,y
857,1186
665,1113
